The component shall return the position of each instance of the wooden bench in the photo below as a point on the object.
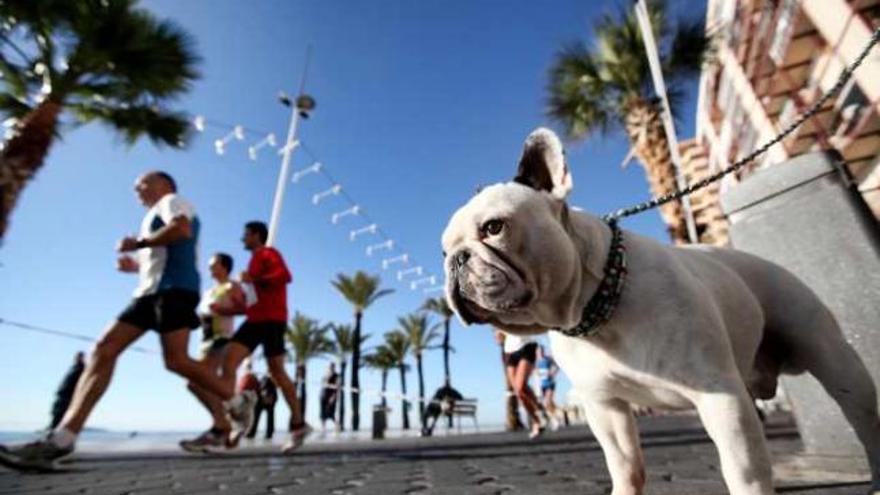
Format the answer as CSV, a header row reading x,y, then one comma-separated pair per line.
x,y
465,407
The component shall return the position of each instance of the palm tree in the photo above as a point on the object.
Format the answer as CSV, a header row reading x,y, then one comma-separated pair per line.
x,y
343,346
360,291
609,86
398,343
441,308
308,340
383,360
98,60
420,335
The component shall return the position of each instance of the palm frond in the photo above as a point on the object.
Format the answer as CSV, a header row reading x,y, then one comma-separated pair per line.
x,y
132,122
590,88
416,328
398,343
382,358
438,306
343,337
361,290
308,338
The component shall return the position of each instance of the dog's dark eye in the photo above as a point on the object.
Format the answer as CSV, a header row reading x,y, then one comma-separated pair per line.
x,y
493,227
444,254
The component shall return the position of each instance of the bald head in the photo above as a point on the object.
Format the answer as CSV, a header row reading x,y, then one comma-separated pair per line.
x,y
152,186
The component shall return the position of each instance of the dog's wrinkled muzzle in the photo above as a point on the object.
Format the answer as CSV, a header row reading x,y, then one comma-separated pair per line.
x,y
480,291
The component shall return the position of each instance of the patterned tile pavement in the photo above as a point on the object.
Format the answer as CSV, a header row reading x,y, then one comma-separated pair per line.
x,y
681,460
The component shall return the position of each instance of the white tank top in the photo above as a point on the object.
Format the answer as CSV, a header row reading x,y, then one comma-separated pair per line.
x,y
513,343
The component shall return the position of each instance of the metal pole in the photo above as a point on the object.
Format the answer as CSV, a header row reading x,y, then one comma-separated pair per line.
x,y
668,125
284,175
289,145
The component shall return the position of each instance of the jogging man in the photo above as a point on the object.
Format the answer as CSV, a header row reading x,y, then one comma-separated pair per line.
x,y
265,326
219,306
164,300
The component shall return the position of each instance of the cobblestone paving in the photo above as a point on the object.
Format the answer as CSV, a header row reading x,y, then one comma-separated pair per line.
x,y
680,459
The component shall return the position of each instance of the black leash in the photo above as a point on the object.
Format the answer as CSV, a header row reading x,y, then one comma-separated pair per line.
x,y
666,198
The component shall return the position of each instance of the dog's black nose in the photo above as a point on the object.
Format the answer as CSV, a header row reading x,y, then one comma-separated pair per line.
x,y
461,258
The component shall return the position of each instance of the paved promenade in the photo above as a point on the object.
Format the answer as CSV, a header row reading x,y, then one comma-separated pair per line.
x,y
681,461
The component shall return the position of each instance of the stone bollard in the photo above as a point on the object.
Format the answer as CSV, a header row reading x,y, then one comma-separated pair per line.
x,y
806,215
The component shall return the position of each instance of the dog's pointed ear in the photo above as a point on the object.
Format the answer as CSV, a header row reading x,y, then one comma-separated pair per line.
x,y
542,165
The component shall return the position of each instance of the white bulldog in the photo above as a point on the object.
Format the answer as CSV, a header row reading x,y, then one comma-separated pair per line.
x,y
651,325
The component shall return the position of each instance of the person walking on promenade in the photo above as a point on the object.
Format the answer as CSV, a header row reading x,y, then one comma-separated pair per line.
x,y
520,354
512,422
265,325
65,389
547,370
219,306
329,393
268,396
165,300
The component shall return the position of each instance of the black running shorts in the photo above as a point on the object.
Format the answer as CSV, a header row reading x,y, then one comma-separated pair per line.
x,y
527,352
268,333
165,311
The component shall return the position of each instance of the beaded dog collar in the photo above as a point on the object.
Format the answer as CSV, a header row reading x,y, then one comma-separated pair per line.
x,y
600,308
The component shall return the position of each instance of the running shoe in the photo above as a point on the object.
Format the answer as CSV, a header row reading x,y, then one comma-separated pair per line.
x,y
297,438
536,431
41,455
205,443
242,416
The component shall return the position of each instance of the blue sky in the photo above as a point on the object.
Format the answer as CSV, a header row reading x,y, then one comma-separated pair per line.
x,y
418,103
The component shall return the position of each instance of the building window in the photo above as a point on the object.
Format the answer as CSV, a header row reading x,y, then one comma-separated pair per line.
x,y
784,27
748,136
852,106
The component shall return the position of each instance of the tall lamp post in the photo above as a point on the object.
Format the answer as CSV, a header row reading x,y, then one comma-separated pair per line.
x,y
300,107
660,87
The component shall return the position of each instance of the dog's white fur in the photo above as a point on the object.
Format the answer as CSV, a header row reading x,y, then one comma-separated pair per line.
x,y
696,327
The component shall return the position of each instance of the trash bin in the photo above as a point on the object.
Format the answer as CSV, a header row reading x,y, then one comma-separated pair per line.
x,y
380,421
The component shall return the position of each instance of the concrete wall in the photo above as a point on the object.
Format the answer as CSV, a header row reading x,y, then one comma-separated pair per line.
x,y
803,215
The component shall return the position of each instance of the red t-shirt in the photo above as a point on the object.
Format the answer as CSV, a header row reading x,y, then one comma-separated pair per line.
x,y
270,278
248,381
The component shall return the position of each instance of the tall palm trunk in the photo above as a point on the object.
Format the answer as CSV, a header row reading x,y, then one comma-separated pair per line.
x,y
340,396
511,421
355,374
446,376
301,378
644,127
404,404
384,387
23,155
421,390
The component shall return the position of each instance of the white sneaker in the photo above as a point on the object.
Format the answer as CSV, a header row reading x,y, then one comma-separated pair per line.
x,y
536,431
242,415
297,438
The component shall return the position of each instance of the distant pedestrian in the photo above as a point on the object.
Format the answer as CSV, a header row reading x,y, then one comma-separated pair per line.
x,y
248,379
520,354
329,393
219,306
512,422
268,396
66,389
442,403
547,370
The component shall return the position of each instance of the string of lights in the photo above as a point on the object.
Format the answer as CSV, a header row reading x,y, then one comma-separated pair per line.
x,y
352,213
